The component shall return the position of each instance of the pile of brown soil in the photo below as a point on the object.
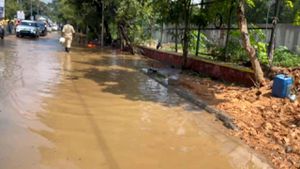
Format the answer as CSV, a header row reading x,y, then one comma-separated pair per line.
x,y
267,124
295,73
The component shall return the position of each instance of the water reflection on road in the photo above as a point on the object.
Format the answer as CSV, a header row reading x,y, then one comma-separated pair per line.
x,y
95,110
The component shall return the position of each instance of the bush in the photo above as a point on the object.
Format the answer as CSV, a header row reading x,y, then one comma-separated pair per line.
x,y
236,51
285,58
202,44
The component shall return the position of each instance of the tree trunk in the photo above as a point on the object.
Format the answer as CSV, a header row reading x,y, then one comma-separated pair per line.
x,y
108,37
123,32
228,31
102,24
176,37
161,33
271,46
187,7
198,40
160,41
242,21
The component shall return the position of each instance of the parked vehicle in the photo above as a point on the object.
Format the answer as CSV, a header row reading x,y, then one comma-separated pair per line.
x,y
27,28
42,28
48,26
54,27
1,32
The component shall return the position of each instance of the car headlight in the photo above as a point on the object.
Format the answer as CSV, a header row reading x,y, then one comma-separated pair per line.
x,y
33,31
18,29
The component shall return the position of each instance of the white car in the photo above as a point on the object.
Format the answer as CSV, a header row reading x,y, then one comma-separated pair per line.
x,y
54,27
49,28
27,28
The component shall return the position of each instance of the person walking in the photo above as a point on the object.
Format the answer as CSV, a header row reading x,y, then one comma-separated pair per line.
x,y
67,33
10,26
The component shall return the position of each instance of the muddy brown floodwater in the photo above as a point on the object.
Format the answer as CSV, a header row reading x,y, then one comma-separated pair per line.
x,y
95,110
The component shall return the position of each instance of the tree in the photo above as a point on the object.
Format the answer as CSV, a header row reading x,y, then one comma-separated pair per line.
x,y
296,13
11,8
175,17
186,6
243,25
200,19
133,18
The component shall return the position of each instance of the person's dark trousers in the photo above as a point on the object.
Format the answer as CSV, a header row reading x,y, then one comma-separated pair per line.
x,y
67,50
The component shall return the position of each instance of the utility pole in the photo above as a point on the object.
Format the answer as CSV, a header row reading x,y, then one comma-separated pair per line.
x,y
102,25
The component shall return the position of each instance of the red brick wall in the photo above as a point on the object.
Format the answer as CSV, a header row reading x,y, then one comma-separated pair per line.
x,y
213,69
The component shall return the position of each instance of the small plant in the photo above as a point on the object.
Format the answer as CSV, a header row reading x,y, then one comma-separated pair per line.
x,y
285,58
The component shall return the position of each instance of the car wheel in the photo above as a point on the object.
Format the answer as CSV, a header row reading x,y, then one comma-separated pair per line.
x,y
2,37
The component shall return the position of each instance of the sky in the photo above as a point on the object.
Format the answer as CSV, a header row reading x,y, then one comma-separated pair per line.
x,y
196,1
47,1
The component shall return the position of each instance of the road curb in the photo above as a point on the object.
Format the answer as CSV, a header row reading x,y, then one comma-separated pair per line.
x,y
191,97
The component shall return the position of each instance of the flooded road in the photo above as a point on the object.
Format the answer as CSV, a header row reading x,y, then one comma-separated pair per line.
x,y
95,110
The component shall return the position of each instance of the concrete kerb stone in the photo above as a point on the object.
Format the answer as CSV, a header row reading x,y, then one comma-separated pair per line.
x,y
222,116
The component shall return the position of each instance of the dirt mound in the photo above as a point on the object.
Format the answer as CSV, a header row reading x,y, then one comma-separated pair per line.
x,y
295,73
269,125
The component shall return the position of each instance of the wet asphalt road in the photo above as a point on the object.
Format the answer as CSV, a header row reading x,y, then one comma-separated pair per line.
x,y
94,109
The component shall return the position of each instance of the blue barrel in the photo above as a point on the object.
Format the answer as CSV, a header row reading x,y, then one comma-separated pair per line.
x,y
282,85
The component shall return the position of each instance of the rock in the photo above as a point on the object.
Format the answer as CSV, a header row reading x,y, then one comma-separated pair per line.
x,y
285,140
293,126
289,149
298,123
268,126
274,107
292,98
261,108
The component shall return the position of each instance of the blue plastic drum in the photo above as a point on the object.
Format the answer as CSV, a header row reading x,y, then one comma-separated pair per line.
x,y
282,86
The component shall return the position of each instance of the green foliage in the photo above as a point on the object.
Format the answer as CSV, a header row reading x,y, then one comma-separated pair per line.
x,y
289,3
257,39
11,8
257,11
204,43
297,19
235,51
217,12
138,17
262,52
38,8
251,3
285,58
141,17
68,10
